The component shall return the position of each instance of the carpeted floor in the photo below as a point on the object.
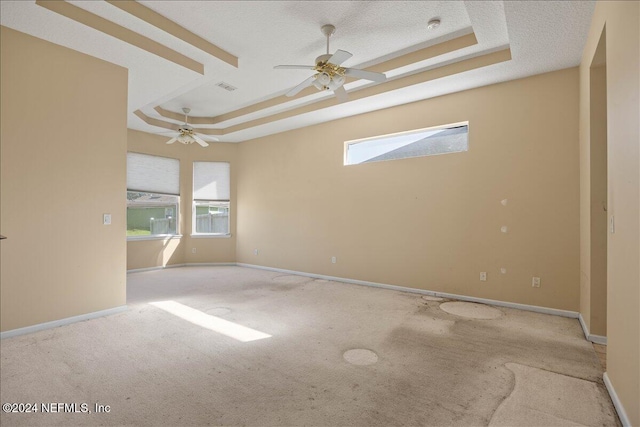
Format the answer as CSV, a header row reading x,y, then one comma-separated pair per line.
x,y
239,346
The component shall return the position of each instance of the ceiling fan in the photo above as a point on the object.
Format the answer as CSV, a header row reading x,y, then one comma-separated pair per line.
x,y
329,74
187,135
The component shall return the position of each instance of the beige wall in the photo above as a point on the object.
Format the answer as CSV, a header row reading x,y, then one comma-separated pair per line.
x,y
622,22
156,253
432,222
429,223
597,222
62,167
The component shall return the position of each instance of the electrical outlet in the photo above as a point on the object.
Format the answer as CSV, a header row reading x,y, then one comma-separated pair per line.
x,y
333,260
193,250
255,252
106,219
535,282
483,276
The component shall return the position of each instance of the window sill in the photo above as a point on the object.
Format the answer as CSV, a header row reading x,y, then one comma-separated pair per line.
x,y
210,236
156,237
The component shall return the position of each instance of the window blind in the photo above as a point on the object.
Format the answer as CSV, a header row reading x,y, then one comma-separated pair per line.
x,y
211,181
153,174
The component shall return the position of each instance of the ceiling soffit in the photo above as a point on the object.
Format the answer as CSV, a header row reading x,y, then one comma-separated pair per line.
x,y
409,80
384,67
153,18
98,23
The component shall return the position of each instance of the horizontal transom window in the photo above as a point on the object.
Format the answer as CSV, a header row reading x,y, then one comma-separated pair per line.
x,y
452,138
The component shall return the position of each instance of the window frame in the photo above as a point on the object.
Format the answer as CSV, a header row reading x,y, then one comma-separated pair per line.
x,y
154,184
347,144
211,203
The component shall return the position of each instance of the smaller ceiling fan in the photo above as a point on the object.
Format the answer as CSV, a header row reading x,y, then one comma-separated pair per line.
x,y
188,135
329,74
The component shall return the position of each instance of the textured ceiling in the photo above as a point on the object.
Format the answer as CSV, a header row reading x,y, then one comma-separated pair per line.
x,y
541,36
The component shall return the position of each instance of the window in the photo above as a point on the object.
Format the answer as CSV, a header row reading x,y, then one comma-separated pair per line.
x,y
153,187
151,214
211,195
417,143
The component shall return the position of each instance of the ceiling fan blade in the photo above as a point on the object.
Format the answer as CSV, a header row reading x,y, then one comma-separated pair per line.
x,y
301,86
208,137
341,94
199,140
294,67
172,140
362,74
339,57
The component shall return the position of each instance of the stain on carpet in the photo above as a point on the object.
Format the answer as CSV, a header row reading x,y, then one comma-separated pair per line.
x,y
291,279
432,298
360,356
566,400
471,310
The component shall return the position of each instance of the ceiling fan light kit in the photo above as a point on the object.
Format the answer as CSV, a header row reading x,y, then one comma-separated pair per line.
x,y
187,134
329,73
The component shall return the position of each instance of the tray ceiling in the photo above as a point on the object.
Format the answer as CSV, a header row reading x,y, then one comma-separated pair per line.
x,y
178,52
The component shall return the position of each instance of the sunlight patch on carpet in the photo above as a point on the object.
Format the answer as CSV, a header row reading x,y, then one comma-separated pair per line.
x,y
213,323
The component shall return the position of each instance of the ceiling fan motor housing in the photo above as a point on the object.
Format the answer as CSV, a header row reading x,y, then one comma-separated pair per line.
x,y
322,59
185,128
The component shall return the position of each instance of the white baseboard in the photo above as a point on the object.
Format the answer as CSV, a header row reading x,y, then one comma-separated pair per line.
x,y
585,330
190,264
597,339
622,414
526,307
61,322
159,267
217,264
